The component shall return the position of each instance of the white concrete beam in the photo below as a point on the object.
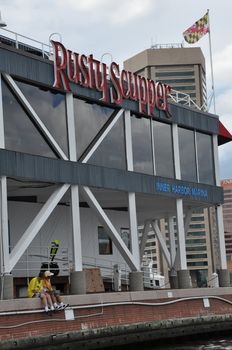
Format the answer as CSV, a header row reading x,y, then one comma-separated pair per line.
x,y
162,241
111,230
144,237
187,220
101,138
34,116
35,226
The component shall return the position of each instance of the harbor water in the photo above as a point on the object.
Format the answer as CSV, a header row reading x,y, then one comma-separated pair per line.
x,y
215,343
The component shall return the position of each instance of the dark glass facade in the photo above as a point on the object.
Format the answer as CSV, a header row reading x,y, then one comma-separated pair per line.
x,y
20,132
89,120
51,109
152,140
142,145
187,155
164,162
205,158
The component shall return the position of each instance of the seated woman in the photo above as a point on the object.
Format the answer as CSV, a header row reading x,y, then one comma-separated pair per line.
x,y
47,287
35,289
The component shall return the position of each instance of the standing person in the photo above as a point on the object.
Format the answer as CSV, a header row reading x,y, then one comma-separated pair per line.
x,y
48,289
35,289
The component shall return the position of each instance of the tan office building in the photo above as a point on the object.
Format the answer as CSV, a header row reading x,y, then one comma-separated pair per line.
x,y
227,218
182,68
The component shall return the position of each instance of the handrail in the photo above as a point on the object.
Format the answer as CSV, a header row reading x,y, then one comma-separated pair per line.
x,y
17,36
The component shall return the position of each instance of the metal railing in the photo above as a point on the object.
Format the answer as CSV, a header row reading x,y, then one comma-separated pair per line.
x,y
114,272
34,257
25,43
185,100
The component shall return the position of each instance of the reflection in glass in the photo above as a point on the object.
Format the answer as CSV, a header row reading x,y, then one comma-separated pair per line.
x,y
125,235
50,108
111,152
163,149
20,133
89,119
187,155
142,145
104,242
205,158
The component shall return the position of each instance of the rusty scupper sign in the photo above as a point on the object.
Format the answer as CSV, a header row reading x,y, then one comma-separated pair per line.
x,y
114,84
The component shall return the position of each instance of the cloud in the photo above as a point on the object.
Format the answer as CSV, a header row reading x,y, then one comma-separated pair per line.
x,y
108,11
223,67
224,108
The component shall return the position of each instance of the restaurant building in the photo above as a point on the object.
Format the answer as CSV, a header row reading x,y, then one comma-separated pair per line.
x,y
90,153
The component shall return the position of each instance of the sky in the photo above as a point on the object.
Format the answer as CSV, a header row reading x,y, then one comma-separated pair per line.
x,y
123,28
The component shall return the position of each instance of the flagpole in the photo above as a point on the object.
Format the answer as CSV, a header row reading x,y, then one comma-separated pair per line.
x,y
211,64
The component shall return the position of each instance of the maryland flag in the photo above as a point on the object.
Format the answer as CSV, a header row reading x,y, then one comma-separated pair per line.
x,y
198,30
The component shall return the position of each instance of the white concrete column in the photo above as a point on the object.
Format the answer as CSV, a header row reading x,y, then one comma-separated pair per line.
x,y
221,238
172,242
134,229
131,196
216,161
176,151
181,233
4,238
76,227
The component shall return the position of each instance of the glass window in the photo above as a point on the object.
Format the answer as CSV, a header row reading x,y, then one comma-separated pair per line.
x,y
104,242
198,263
142,145
177,81
181,88
188,166
205,158
50,108
163,149
174,74
196,256
111,152
198,248
89,119
20,133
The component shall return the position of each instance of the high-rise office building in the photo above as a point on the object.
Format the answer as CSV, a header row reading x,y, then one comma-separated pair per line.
x,y
182,68
227,218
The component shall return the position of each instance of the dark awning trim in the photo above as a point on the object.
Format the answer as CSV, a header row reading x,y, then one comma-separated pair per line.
x,y
224,135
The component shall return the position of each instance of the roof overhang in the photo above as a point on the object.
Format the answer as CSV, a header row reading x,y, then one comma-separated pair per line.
x,y
224,135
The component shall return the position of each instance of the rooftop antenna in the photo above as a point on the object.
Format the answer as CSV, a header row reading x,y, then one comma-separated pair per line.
x,y
2,23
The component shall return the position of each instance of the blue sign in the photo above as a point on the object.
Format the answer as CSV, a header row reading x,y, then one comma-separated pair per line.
x,y
182,190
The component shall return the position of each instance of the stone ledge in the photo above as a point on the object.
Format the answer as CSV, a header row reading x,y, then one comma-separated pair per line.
x,y
88,299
